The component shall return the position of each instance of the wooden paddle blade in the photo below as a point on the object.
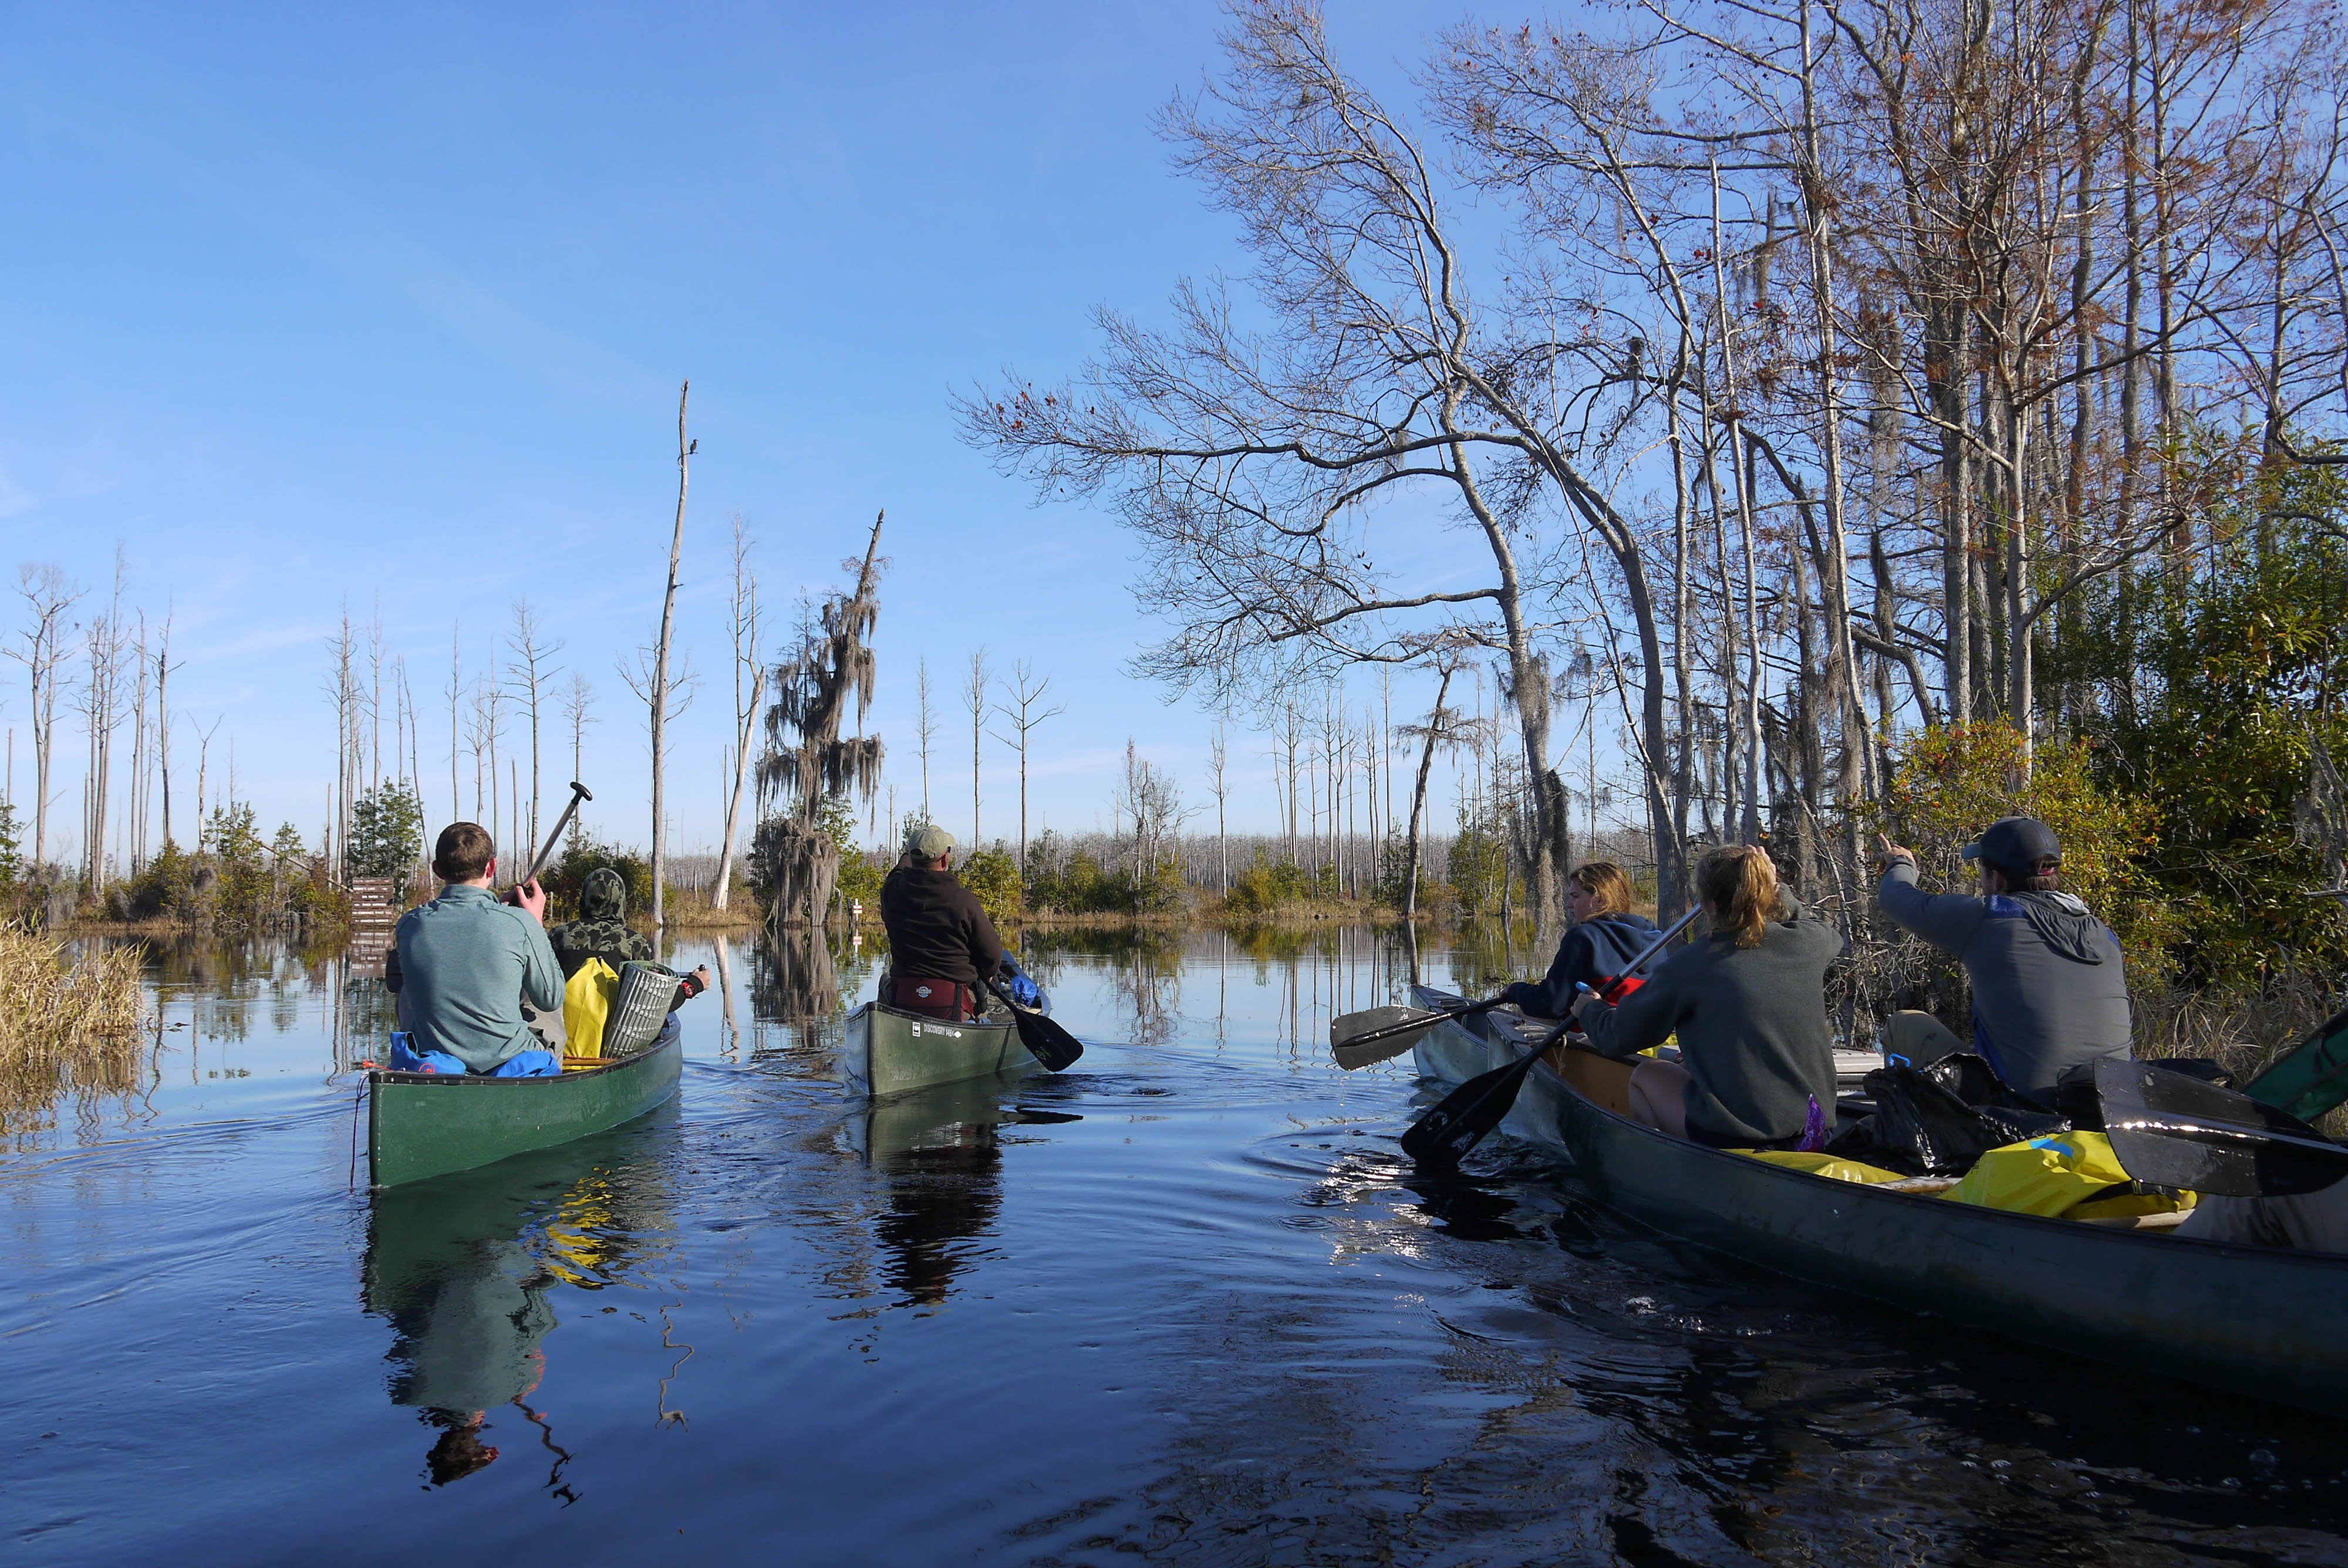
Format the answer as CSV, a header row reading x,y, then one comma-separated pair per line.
x,y
2172,1130
1045,1040
1462,1118
1353,1026
1388,1031
1370,1020
1385,1032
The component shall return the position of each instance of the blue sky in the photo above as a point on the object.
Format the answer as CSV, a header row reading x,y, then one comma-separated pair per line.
x,y
309,308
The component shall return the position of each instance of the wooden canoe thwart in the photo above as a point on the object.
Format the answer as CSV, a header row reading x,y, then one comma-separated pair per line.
x,y
885,1051
2246,1320
423,1124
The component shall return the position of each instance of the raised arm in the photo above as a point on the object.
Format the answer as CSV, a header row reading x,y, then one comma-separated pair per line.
x,y
1947,920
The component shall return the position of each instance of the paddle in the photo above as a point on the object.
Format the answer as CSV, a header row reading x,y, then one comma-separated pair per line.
x,y
1045,1040
1461,1118
578,792
2172,1130
1375,1034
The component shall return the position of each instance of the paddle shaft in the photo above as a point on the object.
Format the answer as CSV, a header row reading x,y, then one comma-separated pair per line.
x,y
2195,1130
1437,1015
578,792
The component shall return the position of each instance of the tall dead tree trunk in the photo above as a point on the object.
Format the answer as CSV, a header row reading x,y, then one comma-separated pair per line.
x,y
657,697
746,665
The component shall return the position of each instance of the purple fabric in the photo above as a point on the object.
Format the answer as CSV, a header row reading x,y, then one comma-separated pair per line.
x,y
1814,1129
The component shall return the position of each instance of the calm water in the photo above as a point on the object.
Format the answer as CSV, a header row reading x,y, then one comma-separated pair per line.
x,y
1183,1303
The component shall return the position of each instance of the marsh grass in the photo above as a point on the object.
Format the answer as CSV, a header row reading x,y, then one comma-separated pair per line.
x,y
66,1024
2242,1027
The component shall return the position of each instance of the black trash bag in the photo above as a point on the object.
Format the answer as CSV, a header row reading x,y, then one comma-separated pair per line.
x,y
1937,1121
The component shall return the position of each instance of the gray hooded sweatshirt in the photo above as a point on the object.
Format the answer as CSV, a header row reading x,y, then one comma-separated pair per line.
x,y
2050,990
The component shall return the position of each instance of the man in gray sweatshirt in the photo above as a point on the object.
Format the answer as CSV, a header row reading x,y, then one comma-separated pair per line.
x,y
463,965
2050,990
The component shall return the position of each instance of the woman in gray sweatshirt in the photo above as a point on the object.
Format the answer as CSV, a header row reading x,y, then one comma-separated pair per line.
x,y
1748,1004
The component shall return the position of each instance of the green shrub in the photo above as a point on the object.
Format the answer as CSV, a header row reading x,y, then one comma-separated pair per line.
x,y
1266,888
1953,781
992,875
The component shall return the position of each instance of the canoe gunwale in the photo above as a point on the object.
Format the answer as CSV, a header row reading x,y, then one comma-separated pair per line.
x,y
392,1075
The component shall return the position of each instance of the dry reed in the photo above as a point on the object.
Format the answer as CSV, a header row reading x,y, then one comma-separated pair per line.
x,y
65,1024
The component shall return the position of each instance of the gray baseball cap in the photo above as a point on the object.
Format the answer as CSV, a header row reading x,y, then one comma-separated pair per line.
x,y
928,841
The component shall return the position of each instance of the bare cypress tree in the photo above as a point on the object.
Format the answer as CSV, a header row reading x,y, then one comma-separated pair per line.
x,y
806,764
455,691
163,668
974,696
1021,715
926,727
40,649
747,699
664,689
1446,728
1218,769
578,702
99,698
533,652
374,694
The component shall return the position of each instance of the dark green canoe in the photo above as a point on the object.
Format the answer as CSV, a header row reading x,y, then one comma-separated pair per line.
x,y
885,1051
2248,1320
425,1124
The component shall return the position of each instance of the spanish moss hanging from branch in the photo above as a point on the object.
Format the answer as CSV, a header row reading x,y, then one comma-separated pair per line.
x,y
806,763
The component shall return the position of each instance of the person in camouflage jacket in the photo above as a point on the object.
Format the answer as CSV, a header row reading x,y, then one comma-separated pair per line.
x,y
602,931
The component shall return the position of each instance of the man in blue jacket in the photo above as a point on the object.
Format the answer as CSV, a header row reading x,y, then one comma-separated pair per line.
x,y
2050,989
463,965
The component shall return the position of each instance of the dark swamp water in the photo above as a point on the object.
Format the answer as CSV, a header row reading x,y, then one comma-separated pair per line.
x,y
1182,1304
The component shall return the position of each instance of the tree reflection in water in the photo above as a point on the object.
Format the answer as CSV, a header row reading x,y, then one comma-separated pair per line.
x,y
467,1268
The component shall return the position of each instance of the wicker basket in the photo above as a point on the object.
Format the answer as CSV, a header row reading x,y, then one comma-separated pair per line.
x,y
640,1005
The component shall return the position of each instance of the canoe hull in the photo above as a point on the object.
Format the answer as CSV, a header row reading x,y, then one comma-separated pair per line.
x,y
2246,1320
423,1124
885,1051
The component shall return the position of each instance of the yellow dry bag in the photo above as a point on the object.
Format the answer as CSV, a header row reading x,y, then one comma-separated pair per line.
x,y
2043,1176
586,1003
1832,1167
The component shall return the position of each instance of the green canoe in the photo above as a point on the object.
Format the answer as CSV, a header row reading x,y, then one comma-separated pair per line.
x,y
427,1124
2243,1319
886,1052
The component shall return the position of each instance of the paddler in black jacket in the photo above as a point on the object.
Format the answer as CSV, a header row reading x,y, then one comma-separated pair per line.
x,y
1602,940
939,940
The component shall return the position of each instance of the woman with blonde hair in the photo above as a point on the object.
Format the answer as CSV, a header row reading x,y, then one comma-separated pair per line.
x,y
1605,936
1748,1004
